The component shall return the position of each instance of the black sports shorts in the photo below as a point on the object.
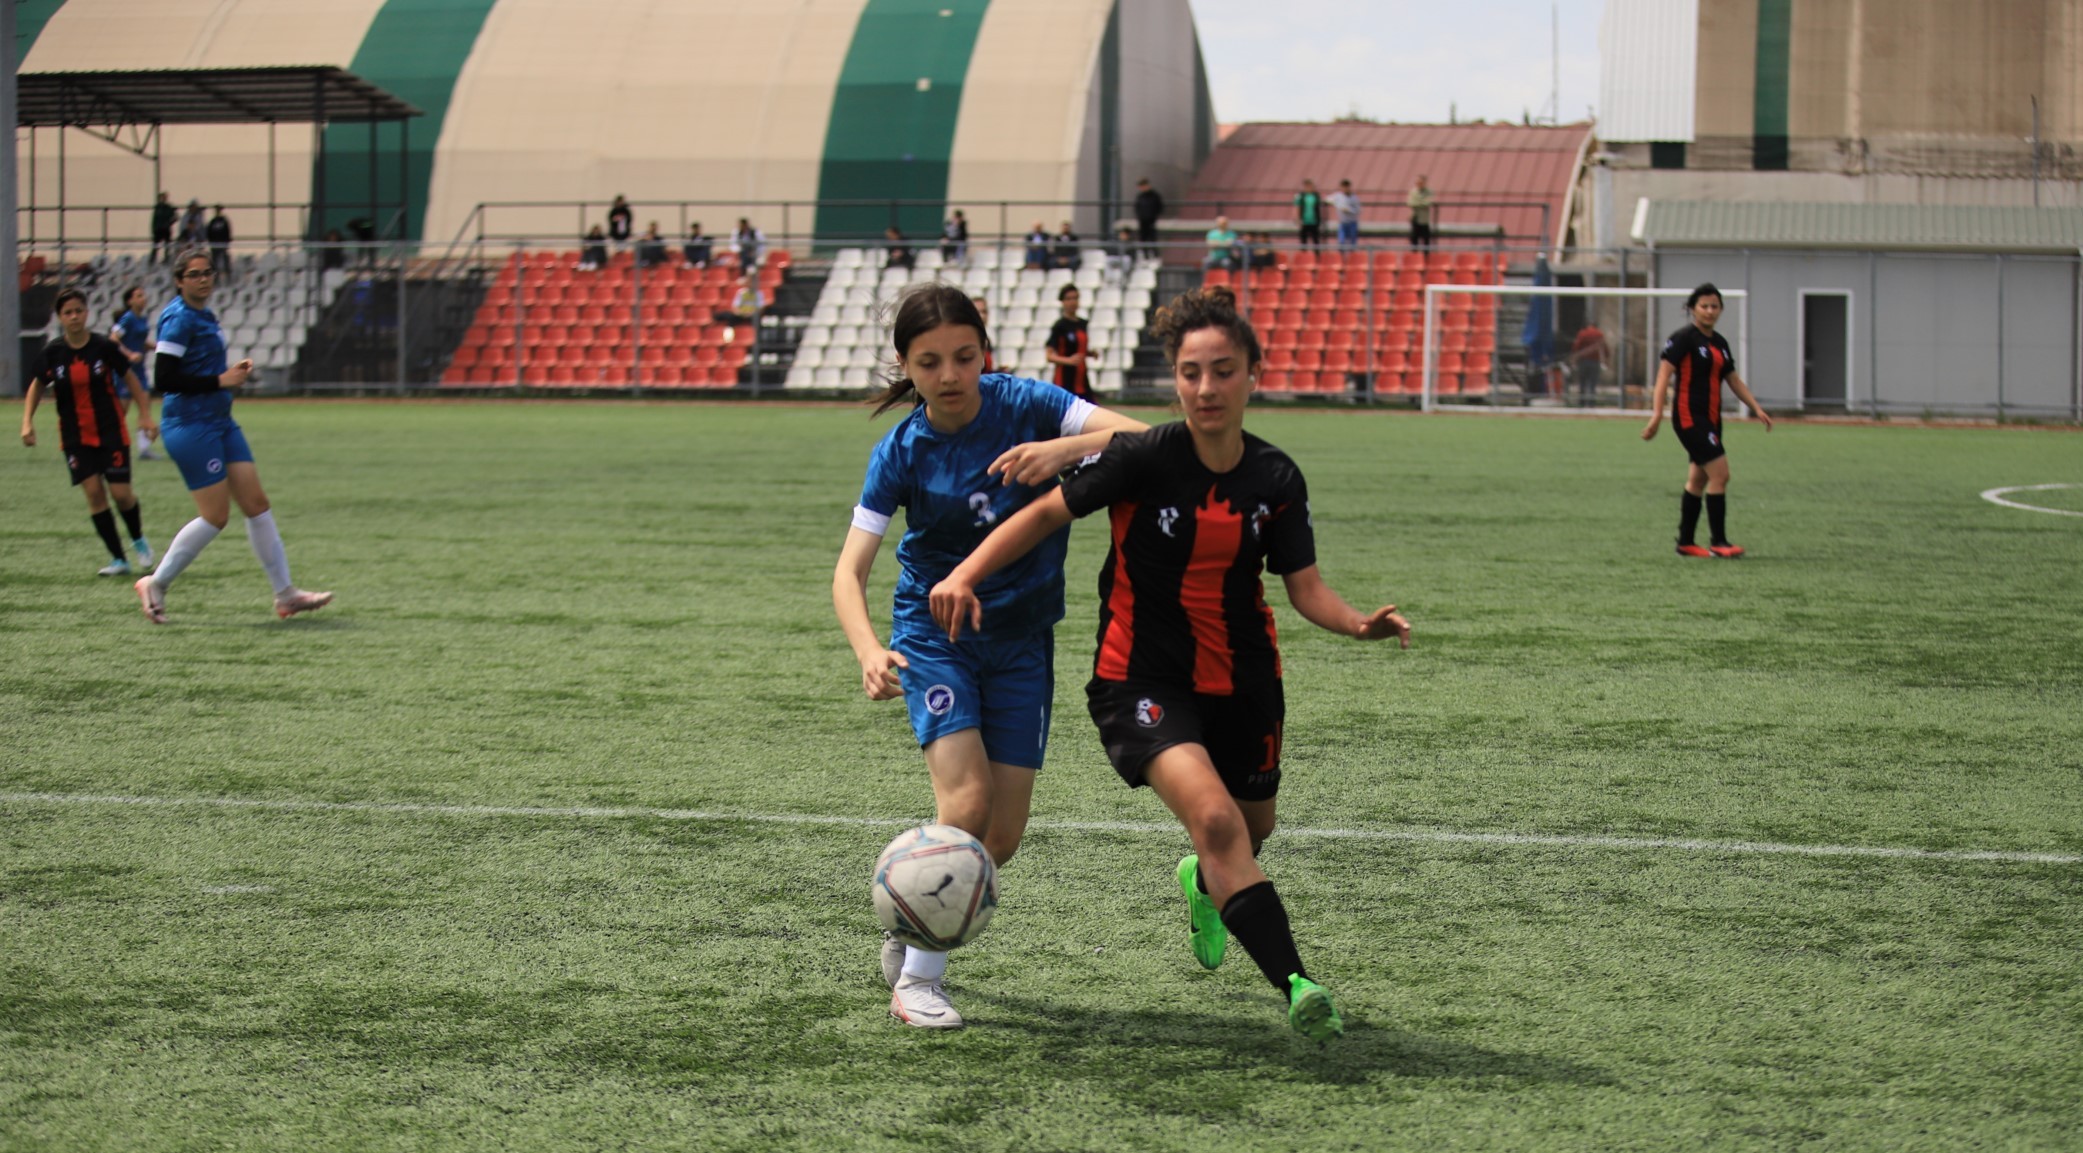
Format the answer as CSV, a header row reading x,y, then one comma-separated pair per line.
x,y
1242,734
86,461
1702,443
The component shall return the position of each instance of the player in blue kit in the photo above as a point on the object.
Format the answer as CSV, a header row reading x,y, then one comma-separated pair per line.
x,y
134,333
975,450
196,427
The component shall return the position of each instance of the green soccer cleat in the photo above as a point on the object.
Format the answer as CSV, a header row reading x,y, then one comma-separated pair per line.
x,y
1310,1012
1210,936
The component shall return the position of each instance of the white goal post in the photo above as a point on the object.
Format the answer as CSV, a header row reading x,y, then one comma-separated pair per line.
x,y
1442,298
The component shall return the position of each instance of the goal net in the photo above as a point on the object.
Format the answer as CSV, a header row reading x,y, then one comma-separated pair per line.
x,y
1520,347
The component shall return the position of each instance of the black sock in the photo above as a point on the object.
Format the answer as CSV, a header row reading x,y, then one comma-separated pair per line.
x,y
134,520
1200,881
1258,920
105,524
1688,517
1718,516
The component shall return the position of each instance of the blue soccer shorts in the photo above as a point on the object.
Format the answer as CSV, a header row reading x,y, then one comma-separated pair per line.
x,y
1005,689
202,449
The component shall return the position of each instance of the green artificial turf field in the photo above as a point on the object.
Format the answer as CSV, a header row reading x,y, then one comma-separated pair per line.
x,y
523,881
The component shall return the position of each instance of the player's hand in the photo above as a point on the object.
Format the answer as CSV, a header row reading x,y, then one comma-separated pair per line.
x,y
149,429
879,675
954,603
1764,416
28,437
1036,462
1649,431
1383,623
236,375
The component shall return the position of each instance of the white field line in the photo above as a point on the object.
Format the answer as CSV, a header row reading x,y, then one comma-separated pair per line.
x,y
1996,496
1416,836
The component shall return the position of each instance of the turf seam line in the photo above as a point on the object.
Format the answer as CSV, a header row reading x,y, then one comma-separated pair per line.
x,y
1418,836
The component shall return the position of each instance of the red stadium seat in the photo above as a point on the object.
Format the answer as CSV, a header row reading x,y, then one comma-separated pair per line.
x,y
1338,360
1215,276
1273,382
1309,359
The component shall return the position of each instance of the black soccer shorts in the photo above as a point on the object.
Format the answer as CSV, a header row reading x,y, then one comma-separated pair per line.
x,y
86,461
1702,443
1241,733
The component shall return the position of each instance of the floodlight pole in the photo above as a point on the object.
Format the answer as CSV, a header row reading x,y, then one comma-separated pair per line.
x,y
10,286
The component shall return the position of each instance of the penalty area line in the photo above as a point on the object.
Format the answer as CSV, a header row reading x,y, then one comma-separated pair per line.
x,y
1408,836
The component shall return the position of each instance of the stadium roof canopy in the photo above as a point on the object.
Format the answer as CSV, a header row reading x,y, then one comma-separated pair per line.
x,y
292,95
1861,227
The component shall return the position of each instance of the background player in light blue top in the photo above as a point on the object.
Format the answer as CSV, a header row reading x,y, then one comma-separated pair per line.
x,y
196,426
133,330
975,449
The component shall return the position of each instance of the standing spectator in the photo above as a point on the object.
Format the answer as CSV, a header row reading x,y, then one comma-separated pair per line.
x,y
1222,245
954,239
747,243
192,225
1066,254
1038,246
697,252
594,255
1421,214
1070,347
1587,357
218,233
333,252
650,251
896,253
1309,213
1149,206
164,216
621,221
1348,207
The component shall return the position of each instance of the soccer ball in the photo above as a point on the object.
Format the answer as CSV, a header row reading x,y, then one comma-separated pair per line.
x,y
935,887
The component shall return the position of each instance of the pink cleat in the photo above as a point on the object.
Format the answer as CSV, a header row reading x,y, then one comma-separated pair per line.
x,y
297,601
152,598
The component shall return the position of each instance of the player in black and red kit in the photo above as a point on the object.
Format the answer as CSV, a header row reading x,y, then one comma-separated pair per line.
x,y
1070,347
1186,686
80,369
1697,359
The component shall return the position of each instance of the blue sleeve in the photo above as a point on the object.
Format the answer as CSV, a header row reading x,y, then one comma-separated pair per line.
x,y
177,329
1043,405
884,488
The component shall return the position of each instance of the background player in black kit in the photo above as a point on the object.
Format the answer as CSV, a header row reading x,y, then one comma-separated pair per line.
x,y
80,369
1070,347
1186,685
1698,360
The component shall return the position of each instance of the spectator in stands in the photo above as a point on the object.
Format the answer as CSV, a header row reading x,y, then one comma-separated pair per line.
x,y
746,306
1149,206
192,225
1347,205
1038,246
1421,214
164,217
334,253
748,244
1587,357
1066,254
594,255
1309,214
1262,253
218,233
896,253
697,252
954,239
1121,255
650,251
1222,245
621,221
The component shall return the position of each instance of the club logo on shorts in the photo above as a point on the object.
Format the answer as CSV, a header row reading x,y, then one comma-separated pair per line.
x,y
215,465
939,699
1714,438
1149,713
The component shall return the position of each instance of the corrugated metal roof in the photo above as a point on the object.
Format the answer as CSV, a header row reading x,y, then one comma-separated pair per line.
x,y
1963,228
1648,69
1512,167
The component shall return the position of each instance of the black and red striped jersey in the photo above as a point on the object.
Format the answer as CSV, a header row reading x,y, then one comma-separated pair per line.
x,y
1702,361
1069,337
1181,602
84,383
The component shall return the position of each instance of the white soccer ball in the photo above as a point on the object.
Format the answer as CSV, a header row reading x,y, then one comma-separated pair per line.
x,y
935,887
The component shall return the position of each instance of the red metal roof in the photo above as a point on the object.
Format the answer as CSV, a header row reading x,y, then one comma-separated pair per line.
x,y
1502,173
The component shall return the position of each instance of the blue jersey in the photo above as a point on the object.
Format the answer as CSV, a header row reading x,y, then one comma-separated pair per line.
x,y
193,335
131,332
951,504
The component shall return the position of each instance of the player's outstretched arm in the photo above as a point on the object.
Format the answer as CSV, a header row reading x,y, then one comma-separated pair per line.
x,y
1656,402
954,599
1750,402
1321,606
879,665
29,400
1038,461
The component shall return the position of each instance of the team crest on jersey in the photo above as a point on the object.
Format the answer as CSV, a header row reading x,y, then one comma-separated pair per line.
x,y
939,699
1166,518
1149,713
1259,517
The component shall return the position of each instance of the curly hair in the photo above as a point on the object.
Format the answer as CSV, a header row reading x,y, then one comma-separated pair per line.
x,y
1199,308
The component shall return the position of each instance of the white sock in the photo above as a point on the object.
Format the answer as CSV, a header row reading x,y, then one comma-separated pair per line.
x,y
139,442
188,544
923,966
267,546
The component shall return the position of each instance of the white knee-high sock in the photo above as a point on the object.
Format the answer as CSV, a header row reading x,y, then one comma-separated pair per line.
x,y
924,966
187,545
267,546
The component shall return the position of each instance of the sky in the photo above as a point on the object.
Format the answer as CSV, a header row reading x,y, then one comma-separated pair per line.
x,y
1396,60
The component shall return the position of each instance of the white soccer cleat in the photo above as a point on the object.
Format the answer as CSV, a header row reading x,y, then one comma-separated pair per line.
x,y
153,599
117,567
923,1004
297,601
892,958
143,548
